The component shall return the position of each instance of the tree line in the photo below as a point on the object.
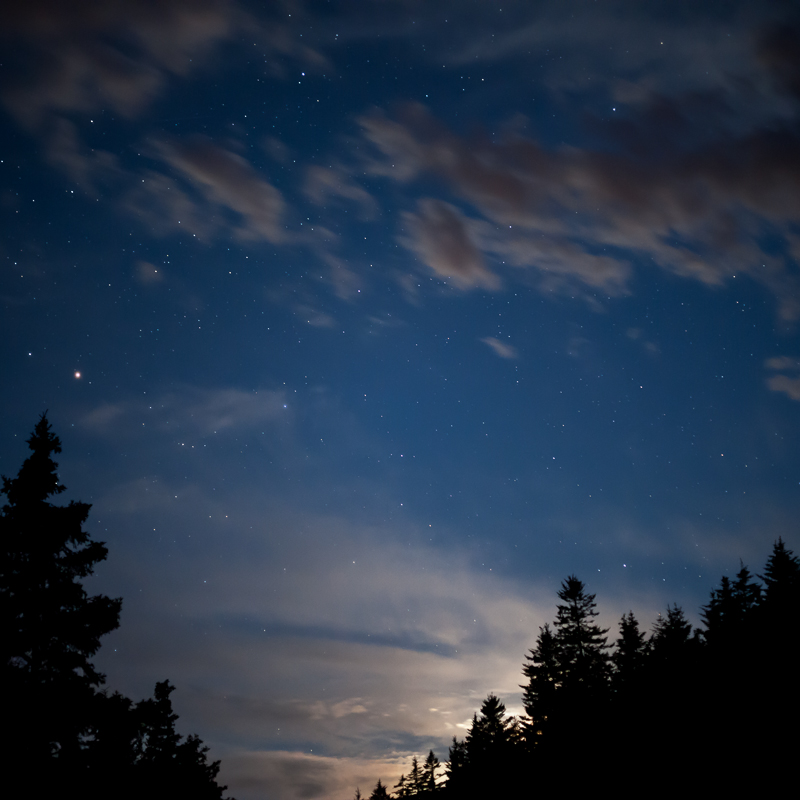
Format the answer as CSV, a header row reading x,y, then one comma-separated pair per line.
x,y
711,709
682,709
62,732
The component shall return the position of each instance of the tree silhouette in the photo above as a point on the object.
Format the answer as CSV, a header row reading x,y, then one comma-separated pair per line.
x,y
630,653
60,734
782,581
51,627
544,679
379,792
582,644
429,770
722,698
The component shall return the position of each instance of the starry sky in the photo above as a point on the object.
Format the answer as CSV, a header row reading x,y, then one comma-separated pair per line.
x,y
364,324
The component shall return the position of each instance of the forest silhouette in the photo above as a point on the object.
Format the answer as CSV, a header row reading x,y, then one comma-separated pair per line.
x,y
683,709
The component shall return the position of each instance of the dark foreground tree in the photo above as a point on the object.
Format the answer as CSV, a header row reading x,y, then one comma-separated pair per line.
x,y
582,643
51,627
60,734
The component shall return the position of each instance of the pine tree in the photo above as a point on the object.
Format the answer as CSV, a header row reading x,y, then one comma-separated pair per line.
x,y
415,780
429,772
379,792
167,764
51,627
490,746
630,653
782,580
60,734
401,788
544,680
672,635
582,644
457,767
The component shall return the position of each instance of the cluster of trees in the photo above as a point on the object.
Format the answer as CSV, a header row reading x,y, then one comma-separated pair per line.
x,y
712,708
61,731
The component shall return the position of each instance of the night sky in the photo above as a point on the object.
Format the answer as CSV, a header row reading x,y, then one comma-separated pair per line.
x,y
364,324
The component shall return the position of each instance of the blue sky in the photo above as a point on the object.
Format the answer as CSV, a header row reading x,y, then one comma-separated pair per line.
x,y
365,324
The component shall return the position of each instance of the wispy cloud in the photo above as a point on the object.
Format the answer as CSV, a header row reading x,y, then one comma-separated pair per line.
x,y
785,377
582,216
438,233
323,184
503,349
229,182
199,411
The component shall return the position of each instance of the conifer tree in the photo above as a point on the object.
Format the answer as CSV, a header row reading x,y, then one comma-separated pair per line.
x,y
167,764
401,788
457,766
51,627
415,779
672,635
60,734
379,792
631,651
782,579
582,644
429,772
544,680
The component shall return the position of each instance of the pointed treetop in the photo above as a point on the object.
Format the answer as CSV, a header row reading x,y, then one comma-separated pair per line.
x,y
37,478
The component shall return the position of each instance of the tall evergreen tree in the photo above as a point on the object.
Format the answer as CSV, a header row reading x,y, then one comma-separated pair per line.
x,y
60,734
415,779
782,580
544,679
457,767
491,749
429,770
51,627
582,644
672,635
630,653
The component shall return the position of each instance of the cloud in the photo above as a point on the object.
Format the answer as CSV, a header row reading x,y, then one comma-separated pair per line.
x,y
580,217
345,282
116,55
228,181
148,274
325,183
287,775
789,381
189,410
439,235
501,348
295,631
315,318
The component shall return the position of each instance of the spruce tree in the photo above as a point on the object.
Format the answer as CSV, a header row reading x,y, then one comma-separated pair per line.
x,y
51,627
544,680
582,644
379,792
672,636
60,734
457,767
429,770
630,653
782,580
